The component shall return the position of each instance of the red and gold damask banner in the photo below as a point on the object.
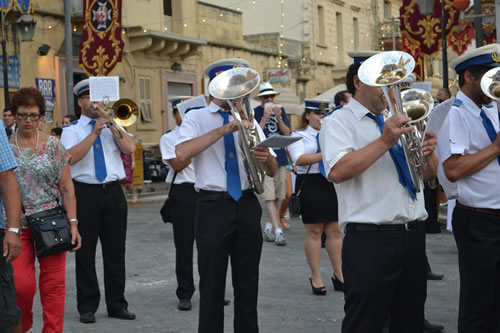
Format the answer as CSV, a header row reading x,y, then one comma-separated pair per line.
x,y
102,45
424,32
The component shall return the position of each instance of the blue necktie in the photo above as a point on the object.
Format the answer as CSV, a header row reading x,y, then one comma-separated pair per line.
x,y
231,165
488,125
99,162
321,165
398,156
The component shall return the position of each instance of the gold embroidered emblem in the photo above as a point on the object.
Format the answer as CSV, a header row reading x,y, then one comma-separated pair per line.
x,y
495,57
231,155
322,106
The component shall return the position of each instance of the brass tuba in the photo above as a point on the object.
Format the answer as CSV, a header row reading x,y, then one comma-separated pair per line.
x,y
386,70
234,86
490,83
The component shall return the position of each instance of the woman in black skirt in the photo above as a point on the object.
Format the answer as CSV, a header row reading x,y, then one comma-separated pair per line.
x,y
318,200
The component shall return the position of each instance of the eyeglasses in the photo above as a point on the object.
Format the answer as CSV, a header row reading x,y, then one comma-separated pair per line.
x,y
24,116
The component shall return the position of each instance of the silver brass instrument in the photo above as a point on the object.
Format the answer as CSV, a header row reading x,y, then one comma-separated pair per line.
x,y
386,70
123,112
490,84
417,103
234,86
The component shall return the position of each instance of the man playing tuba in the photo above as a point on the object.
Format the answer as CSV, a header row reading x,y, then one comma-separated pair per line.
x,y
228,213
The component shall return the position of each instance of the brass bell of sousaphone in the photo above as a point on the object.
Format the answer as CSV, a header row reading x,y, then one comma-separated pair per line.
x,y
234,86
490,83
386,70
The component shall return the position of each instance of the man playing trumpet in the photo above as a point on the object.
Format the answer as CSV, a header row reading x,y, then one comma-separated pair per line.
x,y
96,168
384,244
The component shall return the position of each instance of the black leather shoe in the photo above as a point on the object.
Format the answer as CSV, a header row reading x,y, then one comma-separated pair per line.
x,y
122,314
226,301
87,318
431,328
432,276
184,305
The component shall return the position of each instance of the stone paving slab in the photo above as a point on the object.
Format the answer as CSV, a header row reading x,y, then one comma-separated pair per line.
x,y
286,303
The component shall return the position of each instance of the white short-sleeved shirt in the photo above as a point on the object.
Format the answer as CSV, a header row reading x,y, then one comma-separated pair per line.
x,y
308,145
209,164
466,135
443,149
167,148
376,195
84,170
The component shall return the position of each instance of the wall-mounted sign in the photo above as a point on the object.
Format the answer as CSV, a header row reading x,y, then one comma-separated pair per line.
x,y
12,72
278,75
46,88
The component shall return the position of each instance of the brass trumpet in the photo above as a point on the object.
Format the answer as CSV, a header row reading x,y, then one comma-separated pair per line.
x,y
123,112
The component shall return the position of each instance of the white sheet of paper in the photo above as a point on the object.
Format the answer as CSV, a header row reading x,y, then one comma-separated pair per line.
x,y
104,88
196,102
426,85
437,116
278,141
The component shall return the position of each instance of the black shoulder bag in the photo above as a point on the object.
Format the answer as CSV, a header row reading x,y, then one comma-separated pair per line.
x,y
166,209
50,231
294,202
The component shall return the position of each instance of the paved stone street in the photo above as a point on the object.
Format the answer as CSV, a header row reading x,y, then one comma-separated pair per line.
x,y
286,303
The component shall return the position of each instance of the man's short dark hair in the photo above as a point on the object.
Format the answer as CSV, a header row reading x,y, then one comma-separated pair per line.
x,y
447,91
340,97
351,72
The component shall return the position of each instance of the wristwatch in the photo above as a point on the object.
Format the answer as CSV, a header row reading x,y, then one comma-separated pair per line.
x,y
16,230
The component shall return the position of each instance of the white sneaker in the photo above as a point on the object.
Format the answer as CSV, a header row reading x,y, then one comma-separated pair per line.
x,y
280,239
268,235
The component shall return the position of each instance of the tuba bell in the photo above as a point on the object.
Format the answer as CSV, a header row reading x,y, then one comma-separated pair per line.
x,y
387,70
490,84
234,86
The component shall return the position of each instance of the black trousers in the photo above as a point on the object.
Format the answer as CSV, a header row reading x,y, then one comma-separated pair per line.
x,y
225,228
183,213
102,215
478,240
384,274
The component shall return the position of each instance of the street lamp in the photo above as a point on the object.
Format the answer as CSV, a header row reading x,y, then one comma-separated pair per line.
x,y
426,8
26,23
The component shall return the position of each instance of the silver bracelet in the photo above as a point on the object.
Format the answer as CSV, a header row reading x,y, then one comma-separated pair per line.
x,y
73,220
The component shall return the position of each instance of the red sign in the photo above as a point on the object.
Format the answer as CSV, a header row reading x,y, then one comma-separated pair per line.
x,y
102,45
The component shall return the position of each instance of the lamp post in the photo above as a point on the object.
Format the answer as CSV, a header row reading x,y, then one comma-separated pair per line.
x,y
426,8
26,23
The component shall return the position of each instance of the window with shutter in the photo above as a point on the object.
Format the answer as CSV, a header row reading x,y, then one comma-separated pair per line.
x,y
145,103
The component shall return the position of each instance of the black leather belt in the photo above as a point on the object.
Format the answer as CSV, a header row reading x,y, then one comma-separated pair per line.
x,y
216,195
480,210
189,185
409,226
102,185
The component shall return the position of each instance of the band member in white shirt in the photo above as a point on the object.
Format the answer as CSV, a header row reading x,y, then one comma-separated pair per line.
x,y
383,255
228,213
469,151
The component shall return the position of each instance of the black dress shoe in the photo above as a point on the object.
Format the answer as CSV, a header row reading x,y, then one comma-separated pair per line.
x,y
431,328
87,318
121,314
226,301
184,305
432,276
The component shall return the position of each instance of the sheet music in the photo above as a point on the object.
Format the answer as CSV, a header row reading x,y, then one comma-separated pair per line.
x,y
279,141
104,88
437,116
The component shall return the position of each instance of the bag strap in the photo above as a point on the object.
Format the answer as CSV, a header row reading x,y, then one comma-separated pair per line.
x,y
24,210
172,184
302,185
